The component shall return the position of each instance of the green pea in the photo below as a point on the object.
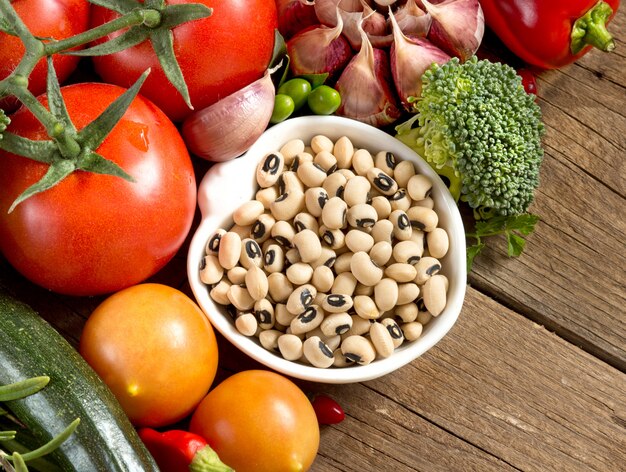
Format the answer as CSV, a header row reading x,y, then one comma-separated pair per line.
x,y
283,108
324,100
298,89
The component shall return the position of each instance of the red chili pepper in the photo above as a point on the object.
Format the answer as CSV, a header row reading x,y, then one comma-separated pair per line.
x,y
327,410
551,33
181,451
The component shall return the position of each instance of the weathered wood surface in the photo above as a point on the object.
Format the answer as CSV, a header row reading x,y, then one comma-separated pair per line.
x,y
531,378
572,278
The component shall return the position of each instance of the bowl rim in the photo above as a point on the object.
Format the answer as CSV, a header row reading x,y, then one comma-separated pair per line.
x,y
215,214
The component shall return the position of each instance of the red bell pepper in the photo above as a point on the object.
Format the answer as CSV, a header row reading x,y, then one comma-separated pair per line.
x,y
551,33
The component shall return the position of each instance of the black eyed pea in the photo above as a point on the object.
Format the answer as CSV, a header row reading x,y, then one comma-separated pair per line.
x,y
319,298
315,199
317,352
237,275
382,206
434,294
381,339
422,218
358,349
269,169
428,202
343,151
219,293
386,294
212,246
242,231
382,231
364,290
333,238
356,190
282,315
283,233
279,287
362,216
401,225
407,312
438,243
403,172
407,293
274,258
412,330
299,273
321,143
426,268
424,317
269,339
308,320
362,161
337,303
287,205
251,254
246,324
323,279
290,347
301,298
394,331
302,157
400,200
305,221
308,245
360,326
381,253
256,283
335,184
382,182
326,160
289,182
266,196
240,298
365,269
419,187
327,258
262,227
230,250
347,173
311,174
292,256
334,213
211,272
357,240
248,213
336,323
385,161
344,283
401,272
291,149
340,360
408,252
417,236
366,308
264,313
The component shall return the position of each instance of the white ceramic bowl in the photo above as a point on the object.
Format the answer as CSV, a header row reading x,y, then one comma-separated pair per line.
x,y
229,184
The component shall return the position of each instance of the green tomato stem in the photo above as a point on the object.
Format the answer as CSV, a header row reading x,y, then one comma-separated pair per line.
x,y
590,29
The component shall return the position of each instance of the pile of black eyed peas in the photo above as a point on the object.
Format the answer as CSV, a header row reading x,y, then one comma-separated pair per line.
x,y
336,261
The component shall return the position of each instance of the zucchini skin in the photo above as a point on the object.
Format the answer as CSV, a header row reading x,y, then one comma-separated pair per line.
x,y
105,440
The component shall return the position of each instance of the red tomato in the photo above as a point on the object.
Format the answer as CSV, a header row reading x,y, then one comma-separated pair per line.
x,y
217,55
93,233
58,19
155,349
259,421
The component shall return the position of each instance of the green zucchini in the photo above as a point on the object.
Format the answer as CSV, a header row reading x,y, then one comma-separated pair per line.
x,y
105,440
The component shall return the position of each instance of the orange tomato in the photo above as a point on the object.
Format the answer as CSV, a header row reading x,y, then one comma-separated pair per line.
x,y
155,349
259,421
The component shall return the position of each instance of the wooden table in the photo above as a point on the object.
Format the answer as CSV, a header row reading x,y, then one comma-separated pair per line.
x,y
532,375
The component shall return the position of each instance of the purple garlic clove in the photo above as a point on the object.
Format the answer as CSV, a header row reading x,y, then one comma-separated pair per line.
x,y
294,16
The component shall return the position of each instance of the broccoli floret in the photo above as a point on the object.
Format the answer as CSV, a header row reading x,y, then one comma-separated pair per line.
x,y
481,130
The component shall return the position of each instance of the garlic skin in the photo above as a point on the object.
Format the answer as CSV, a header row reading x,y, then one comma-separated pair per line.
x,y
457,26
227,129
325,9
365,87
319,50
294,16
410,58
413,21
373,22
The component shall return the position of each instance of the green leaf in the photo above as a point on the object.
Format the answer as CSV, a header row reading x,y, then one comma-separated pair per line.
x,y
7,435
23,388
156,4
175,15
524,223
128,39
18,463
472,252
52,444
55,99
41,151
92,135
163,44
515,244
120,6
93,162
280,49
493,225
55,174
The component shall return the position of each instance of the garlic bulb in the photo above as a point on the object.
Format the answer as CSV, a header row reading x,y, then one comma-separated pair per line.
x,y
325,9
373,23
413,21
294,16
